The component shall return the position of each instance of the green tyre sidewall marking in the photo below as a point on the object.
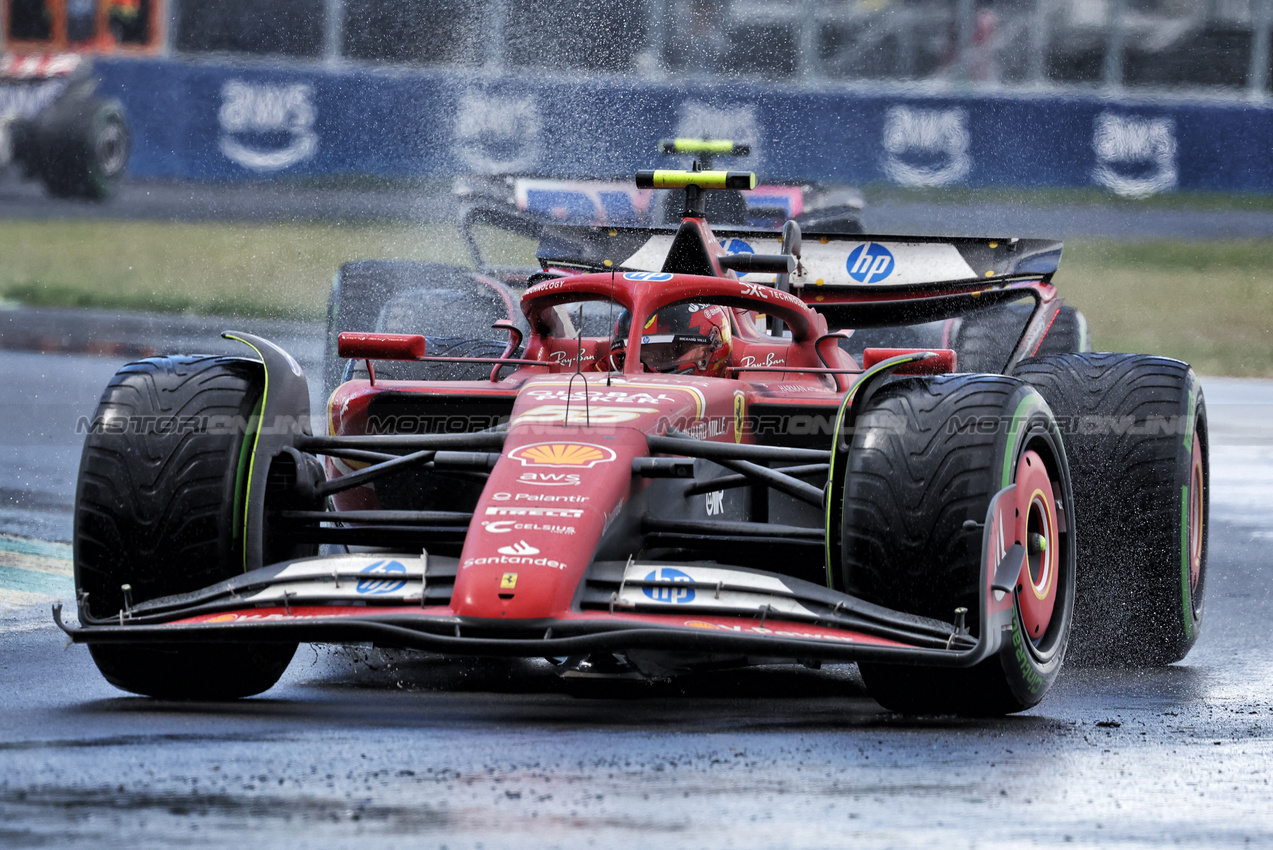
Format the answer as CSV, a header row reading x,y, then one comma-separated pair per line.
x,y
1027,673
832,556
1190,619
1186,598
241,476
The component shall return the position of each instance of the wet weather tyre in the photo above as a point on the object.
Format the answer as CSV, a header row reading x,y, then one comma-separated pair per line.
x,y
156,507
1136,432
927,457
86,150
1067,335
985,341
452,306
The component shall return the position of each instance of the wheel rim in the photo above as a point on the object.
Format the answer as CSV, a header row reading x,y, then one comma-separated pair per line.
x,y
1037,531
112,148
1196,519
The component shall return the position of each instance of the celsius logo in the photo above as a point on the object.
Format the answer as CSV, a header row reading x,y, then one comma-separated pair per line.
x,y
382,584
267,128
870,263
736,246
675,595
521,547
647,276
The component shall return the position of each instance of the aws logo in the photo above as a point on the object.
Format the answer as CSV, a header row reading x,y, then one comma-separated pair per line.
x,y
870,263
267,127
550,479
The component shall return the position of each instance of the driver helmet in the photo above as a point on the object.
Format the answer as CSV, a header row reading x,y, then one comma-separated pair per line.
x,y
683,339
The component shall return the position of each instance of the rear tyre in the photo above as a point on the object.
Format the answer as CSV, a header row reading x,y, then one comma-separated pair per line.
x,y
927,456
158,507
453,306
1068,334
985,340
1136,430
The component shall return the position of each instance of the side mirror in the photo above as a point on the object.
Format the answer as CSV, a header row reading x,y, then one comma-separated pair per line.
x,y
377,346
792,242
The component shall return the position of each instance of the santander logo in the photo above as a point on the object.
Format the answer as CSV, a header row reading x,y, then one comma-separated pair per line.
x,y
521,547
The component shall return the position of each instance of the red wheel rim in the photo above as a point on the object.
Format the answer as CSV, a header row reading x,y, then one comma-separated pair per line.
x,y
1037,532
1195,517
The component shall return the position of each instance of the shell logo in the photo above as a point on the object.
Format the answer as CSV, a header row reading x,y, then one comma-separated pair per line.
x,y
577,455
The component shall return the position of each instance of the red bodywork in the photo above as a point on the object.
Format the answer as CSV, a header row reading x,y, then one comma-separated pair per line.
x,y
565,471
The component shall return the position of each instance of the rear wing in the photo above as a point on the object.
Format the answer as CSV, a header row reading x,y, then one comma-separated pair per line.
x,y
831,261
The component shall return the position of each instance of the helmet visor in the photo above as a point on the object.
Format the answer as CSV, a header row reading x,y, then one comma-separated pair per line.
x,y
670,352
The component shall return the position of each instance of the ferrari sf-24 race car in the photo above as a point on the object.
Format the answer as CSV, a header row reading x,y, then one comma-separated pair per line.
x,y
661,456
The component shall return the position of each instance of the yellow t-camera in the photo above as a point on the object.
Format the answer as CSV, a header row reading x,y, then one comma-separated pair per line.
x,y
670,179
710,147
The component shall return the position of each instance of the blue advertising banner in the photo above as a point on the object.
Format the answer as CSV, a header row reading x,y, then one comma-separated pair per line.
x,y
224,122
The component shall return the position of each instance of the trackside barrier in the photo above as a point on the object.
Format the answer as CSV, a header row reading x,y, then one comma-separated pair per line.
x,y
226,122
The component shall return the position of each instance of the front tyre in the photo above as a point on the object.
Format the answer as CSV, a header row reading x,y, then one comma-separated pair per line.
x,y
158,507
928,456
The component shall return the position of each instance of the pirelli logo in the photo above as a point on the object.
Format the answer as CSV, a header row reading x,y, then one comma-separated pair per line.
x,y
525,511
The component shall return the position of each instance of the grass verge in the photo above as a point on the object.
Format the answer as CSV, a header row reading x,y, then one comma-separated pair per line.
x,y
239,269
1210,303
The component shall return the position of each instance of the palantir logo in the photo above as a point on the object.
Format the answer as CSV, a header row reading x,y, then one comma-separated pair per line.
x,y
870,263
382,578
267,127
1135,156
926,147
673,595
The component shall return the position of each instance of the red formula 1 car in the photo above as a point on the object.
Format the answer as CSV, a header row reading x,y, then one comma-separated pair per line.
x,y
815,448
824,207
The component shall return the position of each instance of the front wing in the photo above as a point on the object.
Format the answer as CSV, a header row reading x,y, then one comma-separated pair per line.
x,y
402,600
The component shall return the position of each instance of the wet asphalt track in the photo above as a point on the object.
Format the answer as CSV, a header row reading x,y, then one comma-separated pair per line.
x,y
354,748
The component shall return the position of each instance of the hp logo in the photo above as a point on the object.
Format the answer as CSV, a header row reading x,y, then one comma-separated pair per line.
x,y
381,578
673,595
870,263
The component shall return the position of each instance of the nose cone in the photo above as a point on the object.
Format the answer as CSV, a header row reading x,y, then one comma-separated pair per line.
x,y
540,519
